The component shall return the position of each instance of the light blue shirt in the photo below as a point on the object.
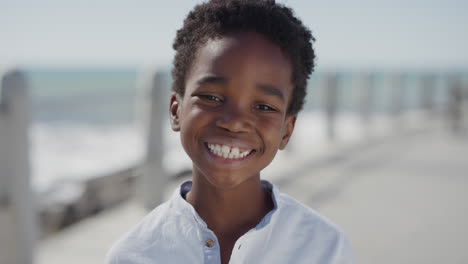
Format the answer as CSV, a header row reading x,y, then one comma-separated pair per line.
x,y
174,233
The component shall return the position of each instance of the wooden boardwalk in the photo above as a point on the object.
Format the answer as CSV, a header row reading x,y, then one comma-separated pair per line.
x,y
404,201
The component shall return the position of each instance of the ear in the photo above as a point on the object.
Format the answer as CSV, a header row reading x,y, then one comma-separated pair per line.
x,y
174,111
288,130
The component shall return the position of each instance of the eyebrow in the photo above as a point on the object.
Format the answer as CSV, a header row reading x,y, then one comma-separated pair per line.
x,y
271,90
211,79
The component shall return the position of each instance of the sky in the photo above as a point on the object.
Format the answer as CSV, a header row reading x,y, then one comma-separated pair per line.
x,y
366,33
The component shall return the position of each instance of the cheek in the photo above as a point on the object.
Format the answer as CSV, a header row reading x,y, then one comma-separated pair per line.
x,y
191,124
189,117
184,140
195,111
272,130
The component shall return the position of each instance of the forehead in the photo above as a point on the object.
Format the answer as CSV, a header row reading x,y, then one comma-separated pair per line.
x,y
243,56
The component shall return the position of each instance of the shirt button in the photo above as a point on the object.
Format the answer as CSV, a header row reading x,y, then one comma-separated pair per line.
x,y
209,243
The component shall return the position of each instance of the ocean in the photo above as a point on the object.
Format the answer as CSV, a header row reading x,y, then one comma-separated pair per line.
x,y
85,121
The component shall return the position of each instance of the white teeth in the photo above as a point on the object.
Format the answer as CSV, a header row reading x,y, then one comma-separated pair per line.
x,y
235,152
227,151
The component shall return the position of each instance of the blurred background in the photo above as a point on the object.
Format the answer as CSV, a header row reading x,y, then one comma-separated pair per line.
x,y
381,147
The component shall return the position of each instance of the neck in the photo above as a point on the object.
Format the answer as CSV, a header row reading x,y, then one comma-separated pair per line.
x,y
232,210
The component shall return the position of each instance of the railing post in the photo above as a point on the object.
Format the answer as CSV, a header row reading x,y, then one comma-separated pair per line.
x,y
331,104
455,107
397,98
365,88
154,180
18,227
427,94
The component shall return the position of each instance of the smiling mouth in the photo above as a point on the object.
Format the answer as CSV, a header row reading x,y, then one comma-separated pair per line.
x,y
228,152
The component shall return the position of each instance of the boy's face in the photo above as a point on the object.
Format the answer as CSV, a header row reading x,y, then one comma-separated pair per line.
x,y
232,118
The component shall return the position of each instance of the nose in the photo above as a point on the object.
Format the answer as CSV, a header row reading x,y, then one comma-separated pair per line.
x,y
236,118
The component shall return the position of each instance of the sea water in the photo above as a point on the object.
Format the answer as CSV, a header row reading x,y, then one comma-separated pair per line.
x,y
85,121
83,124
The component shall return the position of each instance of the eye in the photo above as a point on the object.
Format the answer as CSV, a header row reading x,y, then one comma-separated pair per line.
x,y
210,97
266,108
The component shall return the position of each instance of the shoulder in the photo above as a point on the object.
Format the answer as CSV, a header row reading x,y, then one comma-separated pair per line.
x,y
298,213
314,233
131,247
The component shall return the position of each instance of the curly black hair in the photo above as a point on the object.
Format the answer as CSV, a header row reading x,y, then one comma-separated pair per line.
x,y
266,17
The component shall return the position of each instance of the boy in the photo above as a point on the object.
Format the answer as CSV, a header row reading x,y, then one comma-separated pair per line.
x,y
240,72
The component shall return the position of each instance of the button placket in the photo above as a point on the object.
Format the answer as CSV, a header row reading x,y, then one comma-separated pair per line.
x,y
211,250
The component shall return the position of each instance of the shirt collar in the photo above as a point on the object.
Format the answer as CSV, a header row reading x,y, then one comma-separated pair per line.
x,y
182,206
